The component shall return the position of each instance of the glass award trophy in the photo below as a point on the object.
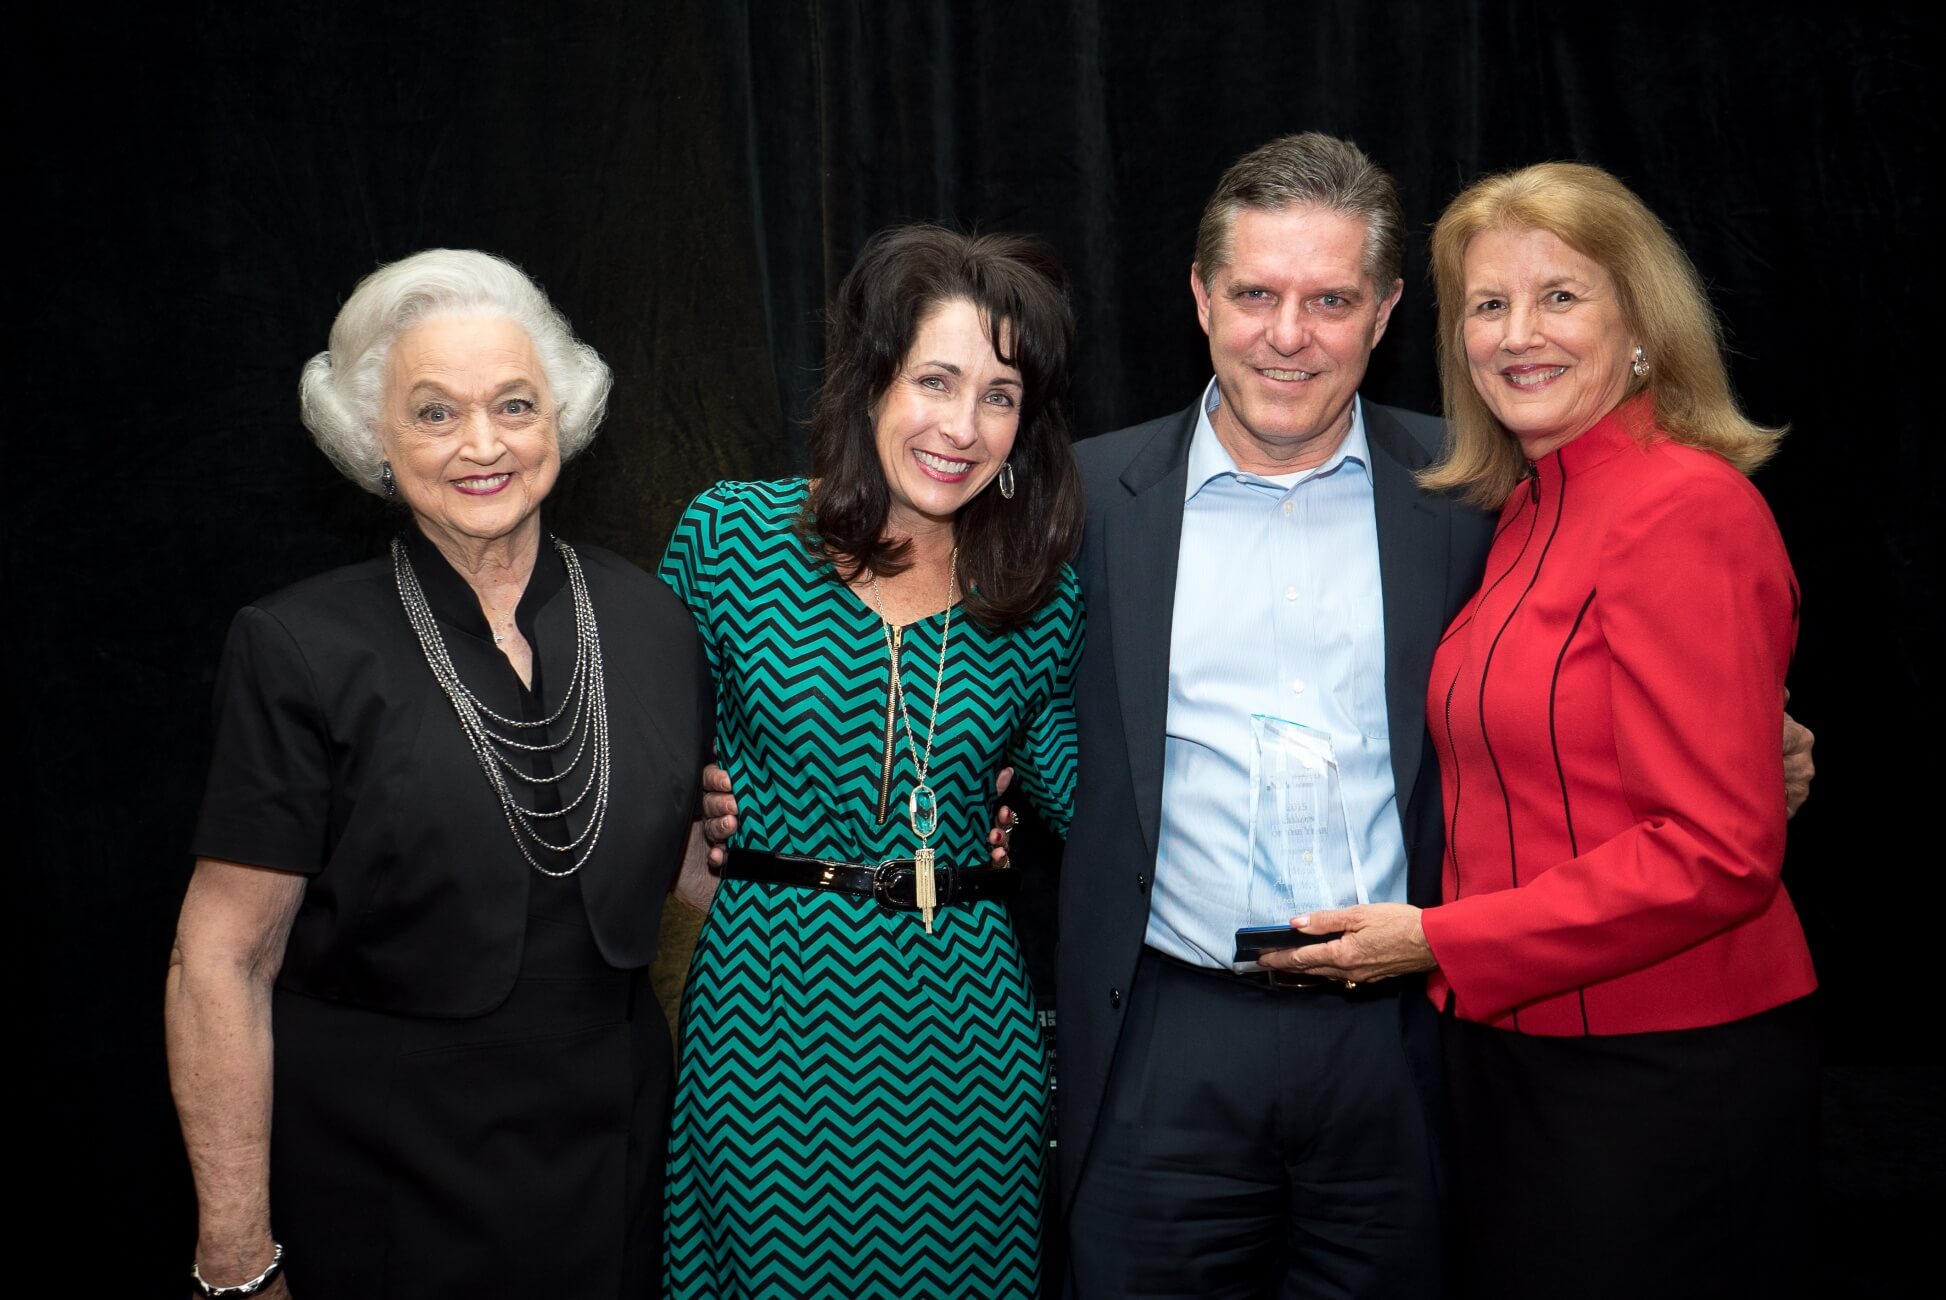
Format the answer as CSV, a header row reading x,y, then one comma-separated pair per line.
x,y
1301,855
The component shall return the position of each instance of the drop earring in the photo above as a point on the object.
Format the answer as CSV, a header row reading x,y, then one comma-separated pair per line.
x,y
1007,479
1640,366
387,484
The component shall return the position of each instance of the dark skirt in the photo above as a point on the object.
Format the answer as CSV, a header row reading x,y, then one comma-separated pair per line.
x,y
1666,1164
517,1153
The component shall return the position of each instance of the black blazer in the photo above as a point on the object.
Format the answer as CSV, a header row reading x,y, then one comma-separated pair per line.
x,y
1430,554
338,756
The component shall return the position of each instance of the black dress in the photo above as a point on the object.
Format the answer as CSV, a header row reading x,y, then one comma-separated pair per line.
x,y
471,1073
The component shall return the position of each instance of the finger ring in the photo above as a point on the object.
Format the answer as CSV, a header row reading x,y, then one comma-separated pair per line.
x,y
1351,984
1007,833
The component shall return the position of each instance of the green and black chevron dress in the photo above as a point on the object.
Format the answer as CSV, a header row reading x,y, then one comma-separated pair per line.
x,y
860,1106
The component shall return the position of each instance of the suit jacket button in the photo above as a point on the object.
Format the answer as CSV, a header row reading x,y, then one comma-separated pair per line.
x,y
1114,997
1142,883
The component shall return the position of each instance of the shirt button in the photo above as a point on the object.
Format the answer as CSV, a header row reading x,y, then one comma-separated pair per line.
x,y
1297,687
1289,506
1114,997
1242,479
1290,593
1307,855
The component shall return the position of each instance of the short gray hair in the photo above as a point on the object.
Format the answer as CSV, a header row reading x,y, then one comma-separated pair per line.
x,y
1315,170
339,392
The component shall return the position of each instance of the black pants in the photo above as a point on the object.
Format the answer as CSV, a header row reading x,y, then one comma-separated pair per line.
x,y
1257,1142
1668,1164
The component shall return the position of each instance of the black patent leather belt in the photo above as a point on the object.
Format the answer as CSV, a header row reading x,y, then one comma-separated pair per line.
x,y
889,884
1268,978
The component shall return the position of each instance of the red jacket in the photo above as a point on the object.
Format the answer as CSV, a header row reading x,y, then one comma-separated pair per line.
x,y
1607,713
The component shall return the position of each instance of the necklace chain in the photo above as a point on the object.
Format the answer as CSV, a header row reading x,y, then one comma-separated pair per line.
x,y
924,880
585,705
921,765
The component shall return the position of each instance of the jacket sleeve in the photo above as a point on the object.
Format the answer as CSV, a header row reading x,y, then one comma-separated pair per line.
x,y
269,796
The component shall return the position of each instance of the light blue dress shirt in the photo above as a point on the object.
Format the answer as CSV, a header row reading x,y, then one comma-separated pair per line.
x,y
1277,612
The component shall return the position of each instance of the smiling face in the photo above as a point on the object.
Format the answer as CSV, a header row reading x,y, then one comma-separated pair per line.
x,y
468,425
1292,319
1546,342
947,422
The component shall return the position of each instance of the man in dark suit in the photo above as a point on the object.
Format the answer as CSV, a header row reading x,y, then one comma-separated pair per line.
x,y
1260,561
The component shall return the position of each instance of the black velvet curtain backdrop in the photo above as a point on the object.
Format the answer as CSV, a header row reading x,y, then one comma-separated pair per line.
x,y
206,182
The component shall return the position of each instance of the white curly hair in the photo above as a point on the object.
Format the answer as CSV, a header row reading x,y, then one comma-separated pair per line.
x,y
339,392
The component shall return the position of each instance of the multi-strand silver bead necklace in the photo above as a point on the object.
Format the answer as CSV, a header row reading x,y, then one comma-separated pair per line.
x,y
585,706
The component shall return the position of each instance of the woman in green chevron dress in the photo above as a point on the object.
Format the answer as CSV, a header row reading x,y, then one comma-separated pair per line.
x,y
861,1095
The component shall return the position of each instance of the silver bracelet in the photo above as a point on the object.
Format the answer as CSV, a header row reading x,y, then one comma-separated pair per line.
x,y
252,1287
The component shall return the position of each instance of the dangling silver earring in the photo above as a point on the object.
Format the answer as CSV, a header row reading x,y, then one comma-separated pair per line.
x,y
1007,479
386,483
1641,364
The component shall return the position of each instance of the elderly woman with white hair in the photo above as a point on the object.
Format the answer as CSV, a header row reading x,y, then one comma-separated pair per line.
x,y
407,858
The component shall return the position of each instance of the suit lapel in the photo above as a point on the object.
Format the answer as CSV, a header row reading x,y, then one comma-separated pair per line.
x,y
1412,556
1141,539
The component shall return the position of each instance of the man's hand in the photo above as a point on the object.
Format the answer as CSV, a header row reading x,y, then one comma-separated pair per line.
x,y
1380,940
1003,820
719,814
1798,768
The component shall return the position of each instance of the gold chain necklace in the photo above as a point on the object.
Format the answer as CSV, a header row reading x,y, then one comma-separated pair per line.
x,y
922,808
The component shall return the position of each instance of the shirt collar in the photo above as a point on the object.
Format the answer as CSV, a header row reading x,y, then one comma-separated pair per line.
x,y
1209,459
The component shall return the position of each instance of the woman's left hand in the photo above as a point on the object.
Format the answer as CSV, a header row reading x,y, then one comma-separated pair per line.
x,y
1380,940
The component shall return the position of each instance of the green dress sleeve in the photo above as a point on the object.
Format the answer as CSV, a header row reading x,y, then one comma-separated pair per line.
x,y
1043,754
688,565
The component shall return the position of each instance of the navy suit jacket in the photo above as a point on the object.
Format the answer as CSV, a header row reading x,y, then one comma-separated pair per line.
x,y
1430,553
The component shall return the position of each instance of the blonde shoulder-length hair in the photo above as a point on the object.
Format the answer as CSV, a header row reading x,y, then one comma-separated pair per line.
x,y
1661,296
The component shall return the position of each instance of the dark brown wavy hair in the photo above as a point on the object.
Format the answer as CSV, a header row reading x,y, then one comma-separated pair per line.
x,y
1010,551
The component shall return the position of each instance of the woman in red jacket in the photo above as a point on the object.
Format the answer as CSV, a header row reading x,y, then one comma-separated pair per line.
x,y
1630,1050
